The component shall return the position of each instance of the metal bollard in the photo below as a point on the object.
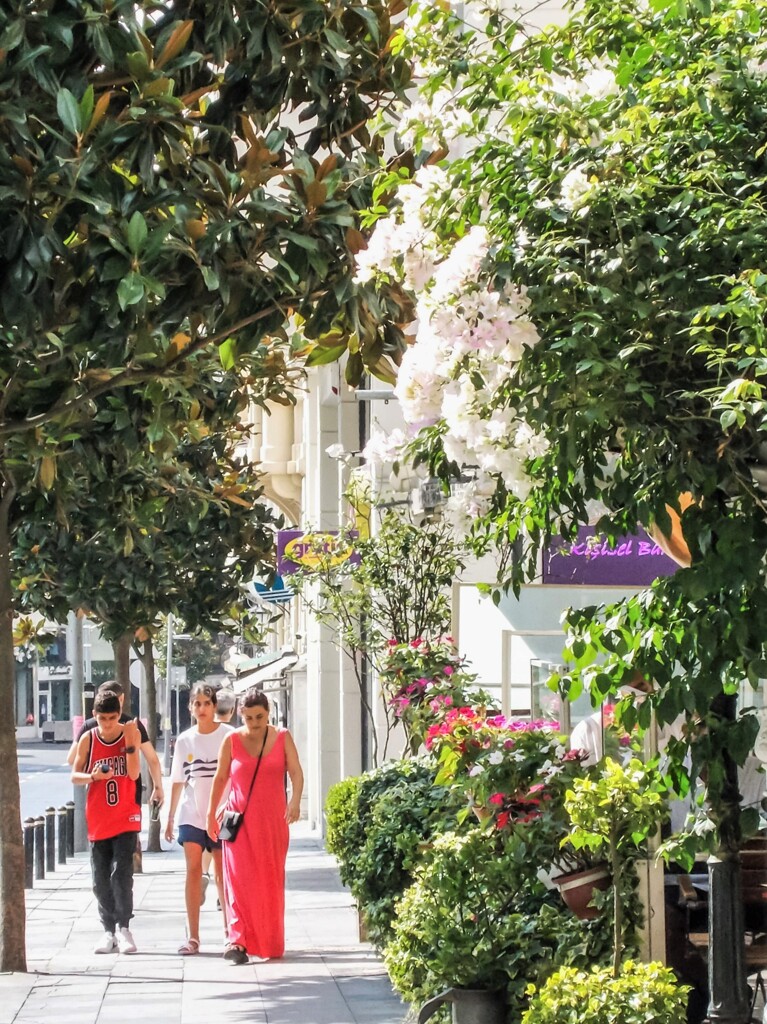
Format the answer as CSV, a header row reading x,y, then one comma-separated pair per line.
x,y
29,853
62,816
50,839
39,830
70,828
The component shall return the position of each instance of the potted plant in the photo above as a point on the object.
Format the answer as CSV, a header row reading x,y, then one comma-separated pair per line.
x,y
512,772
477,925
612,811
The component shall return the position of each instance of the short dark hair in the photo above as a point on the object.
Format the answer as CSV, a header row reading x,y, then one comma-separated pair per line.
x,y
254,698
206,690
111,686
106,703
227,701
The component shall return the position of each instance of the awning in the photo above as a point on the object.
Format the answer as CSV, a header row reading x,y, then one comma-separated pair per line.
x,y
237,664
273,671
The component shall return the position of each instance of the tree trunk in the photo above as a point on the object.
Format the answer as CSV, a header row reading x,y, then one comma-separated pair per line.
x,y
616,868
146,654
12,908
121,650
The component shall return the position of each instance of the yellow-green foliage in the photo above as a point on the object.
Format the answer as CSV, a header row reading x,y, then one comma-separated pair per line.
x,y
641,994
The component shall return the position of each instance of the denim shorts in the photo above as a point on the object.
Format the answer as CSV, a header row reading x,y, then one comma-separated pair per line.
x,y
192,834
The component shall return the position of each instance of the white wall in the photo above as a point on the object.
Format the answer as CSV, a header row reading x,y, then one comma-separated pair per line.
x,y
500,642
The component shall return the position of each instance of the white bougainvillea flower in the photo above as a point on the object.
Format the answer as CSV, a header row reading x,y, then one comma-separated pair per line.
x,y
576,189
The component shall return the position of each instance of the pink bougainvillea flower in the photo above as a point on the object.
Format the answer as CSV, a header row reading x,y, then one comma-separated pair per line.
x,y
448,670
503,819
496,798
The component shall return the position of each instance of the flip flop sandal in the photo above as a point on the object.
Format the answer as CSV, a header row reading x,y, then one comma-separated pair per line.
x,y
190,947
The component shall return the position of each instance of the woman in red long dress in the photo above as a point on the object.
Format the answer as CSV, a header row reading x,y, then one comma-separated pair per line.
x,y
254,864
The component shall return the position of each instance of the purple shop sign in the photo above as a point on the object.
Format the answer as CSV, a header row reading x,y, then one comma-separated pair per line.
x,y
634,561
306,549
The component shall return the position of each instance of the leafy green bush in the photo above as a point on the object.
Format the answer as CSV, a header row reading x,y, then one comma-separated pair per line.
x,y
344,832
403,821
477,916
377,826
641,993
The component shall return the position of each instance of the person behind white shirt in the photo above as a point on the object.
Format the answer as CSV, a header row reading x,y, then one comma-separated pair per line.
x,y
588,734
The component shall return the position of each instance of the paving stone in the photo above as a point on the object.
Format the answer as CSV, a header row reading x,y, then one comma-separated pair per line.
x,y
326,977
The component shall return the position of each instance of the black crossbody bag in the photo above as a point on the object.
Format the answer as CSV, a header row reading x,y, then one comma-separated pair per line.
x,y
231,820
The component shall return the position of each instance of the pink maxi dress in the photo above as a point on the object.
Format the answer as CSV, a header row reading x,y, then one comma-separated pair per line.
x,y
254,864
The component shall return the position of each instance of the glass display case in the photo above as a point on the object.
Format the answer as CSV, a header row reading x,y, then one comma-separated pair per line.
x,y
550,705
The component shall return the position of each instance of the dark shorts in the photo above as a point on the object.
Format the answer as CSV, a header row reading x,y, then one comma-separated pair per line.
x,y
192,834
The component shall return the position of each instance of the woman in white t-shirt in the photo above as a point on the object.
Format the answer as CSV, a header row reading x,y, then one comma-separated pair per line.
x,y
195,760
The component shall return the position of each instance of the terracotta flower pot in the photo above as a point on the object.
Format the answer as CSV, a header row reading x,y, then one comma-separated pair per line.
x,y
577,889
673,543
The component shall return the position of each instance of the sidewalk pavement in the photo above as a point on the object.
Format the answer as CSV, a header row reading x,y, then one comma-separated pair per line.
x,y
326,976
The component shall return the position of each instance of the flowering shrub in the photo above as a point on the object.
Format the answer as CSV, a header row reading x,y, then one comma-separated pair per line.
x,y
516,771
424,681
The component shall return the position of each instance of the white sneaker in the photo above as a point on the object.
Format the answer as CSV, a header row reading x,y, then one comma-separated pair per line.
x,y
108,944
125,943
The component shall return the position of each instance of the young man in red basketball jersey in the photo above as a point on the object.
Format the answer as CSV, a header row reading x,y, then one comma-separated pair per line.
x,y
108,762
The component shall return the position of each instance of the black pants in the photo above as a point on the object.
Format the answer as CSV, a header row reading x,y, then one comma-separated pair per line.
x,y
112,867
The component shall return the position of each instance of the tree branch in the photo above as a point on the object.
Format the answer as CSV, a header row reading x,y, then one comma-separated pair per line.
x,y
128,377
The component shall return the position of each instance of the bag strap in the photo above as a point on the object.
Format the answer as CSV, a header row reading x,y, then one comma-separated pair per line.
x,y
258,765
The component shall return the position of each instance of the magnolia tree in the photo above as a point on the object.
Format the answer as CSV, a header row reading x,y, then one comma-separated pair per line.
x,y
585,233
176,179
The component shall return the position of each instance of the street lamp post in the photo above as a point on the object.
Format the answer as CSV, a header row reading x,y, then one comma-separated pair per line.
x,y
166,750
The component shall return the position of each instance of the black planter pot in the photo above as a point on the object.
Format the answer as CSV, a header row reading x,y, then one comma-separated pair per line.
x,y
470,1006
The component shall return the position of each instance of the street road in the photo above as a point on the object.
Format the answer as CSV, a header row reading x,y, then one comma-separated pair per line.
x,y
44,777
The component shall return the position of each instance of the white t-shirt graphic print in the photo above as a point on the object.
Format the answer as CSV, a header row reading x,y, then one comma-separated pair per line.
x,y
195,760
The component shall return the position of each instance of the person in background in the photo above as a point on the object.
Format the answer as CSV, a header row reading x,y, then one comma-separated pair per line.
x,y
107,761
195,759
226,706
588,734
253,761
150,754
